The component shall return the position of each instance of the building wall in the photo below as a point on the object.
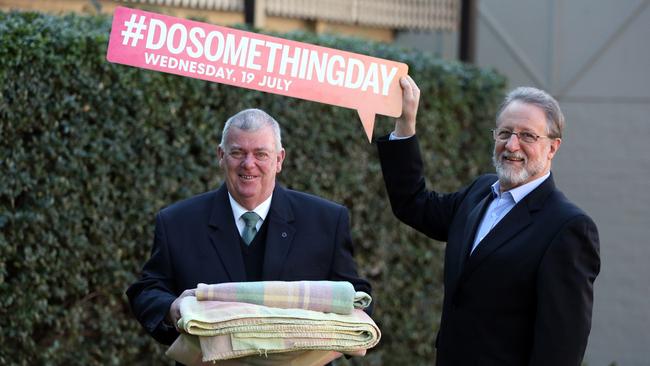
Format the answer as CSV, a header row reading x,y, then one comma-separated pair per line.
x,y
440,43
224,18
594,57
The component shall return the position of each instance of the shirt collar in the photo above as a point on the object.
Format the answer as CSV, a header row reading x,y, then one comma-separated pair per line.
x,y
262,210
520,192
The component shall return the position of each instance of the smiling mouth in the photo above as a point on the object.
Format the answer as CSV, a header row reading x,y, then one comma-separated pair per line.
x,y
247,177
513,158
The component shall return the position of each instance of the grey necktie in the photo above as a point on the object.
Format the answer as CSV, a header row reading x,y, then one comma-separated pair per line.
x,y
250,218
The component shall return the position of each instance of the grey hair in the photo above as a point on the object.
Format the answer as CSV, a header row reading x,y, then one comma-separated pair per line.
x,y
541,99
252,120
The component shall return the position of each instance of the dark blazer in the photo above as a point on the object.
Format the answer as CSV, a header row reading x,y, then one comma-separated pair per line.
x,y
197,241
524,297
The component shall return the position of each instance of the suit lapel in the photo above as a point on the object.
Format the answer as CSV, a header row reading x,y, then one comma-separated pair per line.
x,y
280,235
225,236
473,220
515,221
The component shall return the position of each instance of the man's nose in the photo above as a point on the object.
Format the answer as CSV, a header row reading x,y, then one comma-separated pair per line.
x,y
249,160
512,144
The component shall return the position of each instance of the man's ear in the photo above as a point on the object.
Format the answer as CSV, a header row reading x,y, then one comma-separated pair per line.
x,y
280,158
555,146
220,155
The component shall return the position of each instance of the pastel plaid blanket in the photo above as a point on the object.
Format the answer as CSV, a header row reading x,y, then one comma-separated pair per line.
x,y
326,296
228,330
187,350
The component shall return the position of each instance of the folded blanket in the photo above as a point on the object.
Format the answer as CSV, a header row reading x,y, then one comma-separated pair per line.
x,y
229,330
187,350
326,296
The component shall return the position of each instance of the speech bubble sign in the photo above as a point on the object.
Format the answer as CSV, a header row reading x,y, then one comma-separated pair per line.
x,y
255,61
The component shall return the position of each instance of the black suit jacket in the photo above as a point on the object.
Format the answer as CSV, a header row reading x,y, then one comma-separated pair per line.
x,y
197,241
524,297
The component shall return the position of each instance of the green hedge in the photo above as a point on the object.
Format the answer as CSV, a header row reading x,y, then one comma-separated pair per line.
x,y
91,150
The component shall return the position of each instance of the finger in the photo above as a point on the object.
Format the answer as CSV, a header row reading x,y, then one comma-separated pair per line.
x,y
409,80
191,292
413,85
407,90
404,81
414,91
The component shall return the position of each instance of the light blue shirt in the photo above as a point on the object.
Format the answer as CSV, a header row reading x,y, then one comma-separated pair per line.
x,y
502,204
395,137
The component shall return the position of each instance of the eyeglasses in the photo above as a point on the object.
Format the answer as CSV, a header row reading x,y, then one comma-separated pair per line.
x,y
502,134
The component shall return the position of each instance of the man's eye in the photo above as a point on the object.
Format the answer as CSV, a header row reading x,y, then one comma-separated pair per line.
x,y
261,155
236,154
504,135
527,136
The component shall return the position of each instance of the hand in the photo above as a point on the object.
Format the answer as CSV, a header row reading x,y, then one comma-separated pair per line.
x,y
175,310
405,124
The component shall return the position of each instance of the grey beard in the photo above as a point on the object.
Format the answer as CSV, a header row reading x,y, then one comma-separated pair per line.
x,y
510,178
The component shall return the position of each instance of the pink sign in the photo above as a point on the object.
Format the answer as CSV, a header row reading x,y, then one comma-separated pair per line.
x,y
254,61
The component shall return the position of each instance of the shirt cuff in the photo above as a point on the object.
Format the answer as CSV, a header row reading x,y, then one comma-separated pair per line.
x,y
394,137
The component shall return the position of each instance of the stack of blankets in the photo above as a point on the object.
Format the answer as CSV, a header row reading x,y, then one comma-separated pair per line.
x,y
273,323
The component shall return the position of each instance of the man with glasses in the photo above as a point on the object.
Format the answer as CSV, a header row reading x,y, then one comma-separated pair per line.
x,y
249,229
521,259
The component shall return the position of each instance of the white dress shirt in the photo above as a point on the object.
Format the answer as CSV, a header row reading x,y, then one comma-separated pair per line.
x,y
238,210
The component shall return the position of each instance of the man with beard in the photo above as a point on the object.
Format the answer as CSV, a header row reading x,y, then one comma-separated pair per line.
x,y
521,259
